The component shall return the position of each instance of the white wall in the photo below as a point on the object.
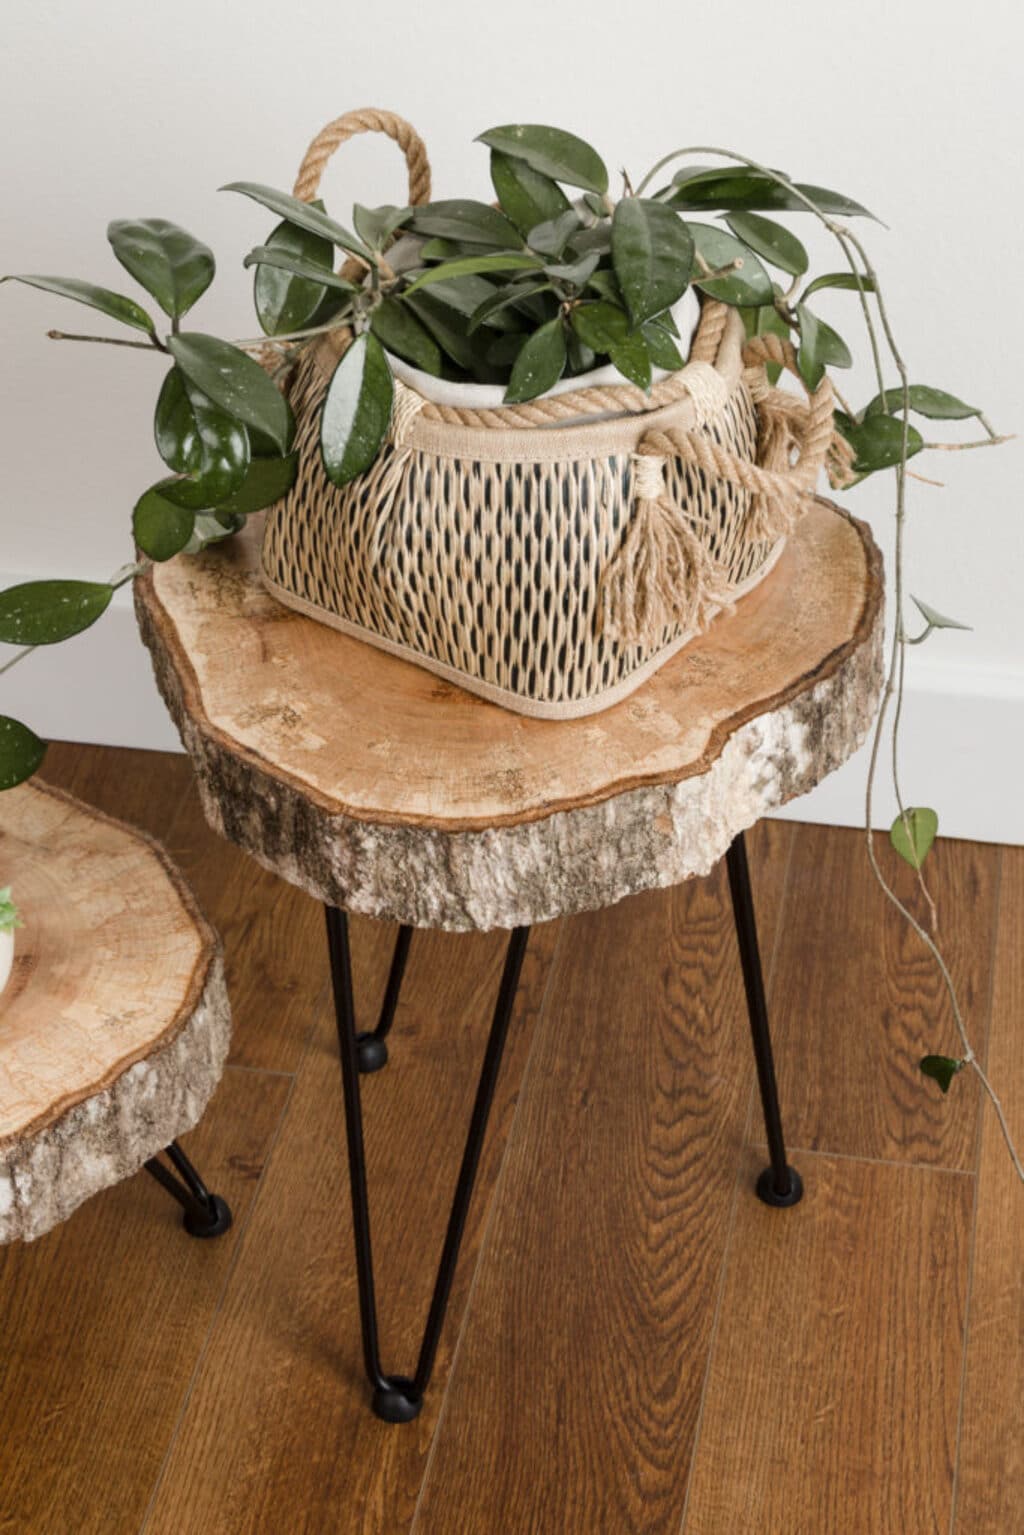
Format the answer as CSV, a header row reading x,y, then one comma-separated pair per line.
x,y
115,109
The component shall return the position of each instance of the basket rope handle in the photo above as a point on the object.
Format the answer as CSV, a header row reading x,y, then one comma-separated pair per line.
x,y
365,120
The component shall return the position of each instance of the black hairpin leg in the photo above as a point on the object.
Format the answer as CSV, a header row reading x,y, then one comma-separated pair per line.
x,y
371,1049
779,1184
398,1398
206,1214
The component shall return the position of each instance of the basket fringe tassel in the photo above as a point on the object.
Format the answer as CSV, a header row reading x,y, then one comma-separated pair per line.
x,y
662,574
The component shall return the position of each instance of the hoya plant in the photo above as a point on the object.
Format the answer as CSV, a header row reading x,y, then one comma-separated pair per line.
x,y
551,278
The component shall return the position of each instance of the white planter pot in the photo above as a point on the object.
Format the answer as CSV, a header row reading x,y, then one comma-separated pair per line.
x,y
6,957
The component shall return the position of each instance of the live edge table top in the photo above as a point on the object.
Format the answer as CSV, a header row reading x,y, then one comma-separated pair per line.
x,y
379,788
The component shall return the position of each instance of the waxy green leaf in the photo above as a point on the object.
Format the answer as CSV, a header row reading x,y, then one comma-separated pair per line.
x,y
552,237
652,252
838,280
810,356
936,404
503,298
754,192
398,329
633,360
747,285
305,215
576,273
877,440
46,612
941,1068
467,266
527,196
661,348
161,528
461,218
553,152
171,264
237,384
912,835
771,241
21,752
266,481
357,410
601,325
539,364
196,438
114,305
292,273
935,619
376,225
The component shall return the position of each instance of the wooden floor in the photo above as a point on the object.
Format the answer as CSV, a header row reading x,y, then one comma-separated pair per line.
x,y
635,1343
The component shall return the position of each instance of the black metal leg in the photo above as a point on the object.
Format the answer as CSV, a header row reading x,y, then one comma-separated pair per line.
x,y
206,1214
371,1047
398,1398
779,1184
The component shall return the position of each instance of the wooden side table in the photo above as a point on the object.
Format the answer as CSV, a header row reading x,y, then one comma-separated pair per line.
x,y
114,1026
381,790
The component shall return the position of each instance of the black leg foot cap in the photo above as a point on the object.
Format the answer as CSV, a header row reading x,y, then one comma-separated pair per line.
x,y
208,1223
371,1052
399,1402
769,1194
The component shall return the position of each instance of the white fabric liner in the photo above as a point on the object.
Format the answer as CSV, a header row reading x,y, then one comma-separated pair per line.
x,y
443,391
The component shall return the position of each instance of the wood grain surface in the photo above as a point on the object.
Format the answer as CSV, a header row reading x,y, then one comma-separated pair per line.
x,y
366,735
686,1360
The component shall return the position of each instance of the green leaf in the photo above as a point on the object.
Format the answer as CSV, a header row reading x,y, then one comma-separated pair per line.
x,y
752,191
464,295
576,273
171,264
377,225
108,303
749,284
527,196
554,153
838,280
266,481
662,349
912,835
501,299
633,360
771,241
934,619
652,252
195,438
463,219
46,612
601,325
606,284
304,215
765,321
293,269
357,410
597,238
466,266
397,328
21,752
552,237
877,441
810,356
160,527
936,404
941,1068
234,382
540,363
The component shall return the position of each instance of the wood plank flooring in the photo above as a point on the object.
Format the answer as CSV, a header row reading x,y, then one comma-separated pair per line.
x,y
635,1343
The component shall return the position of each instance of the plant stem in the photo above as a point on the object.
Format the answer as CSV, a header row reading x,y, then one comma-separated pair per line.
x,y
144,346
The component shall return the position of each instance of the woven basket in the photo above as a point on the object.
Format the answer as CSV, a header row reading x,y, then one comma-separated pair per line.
x,y
548,567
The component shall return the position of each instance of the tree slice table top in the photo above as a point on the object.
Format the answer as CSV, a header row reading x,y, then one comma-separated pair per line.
x,y
375,786
114,1025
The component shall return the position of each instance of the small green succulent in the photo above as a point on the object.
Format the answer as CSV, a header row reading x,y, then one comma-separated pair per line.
x,y
9,916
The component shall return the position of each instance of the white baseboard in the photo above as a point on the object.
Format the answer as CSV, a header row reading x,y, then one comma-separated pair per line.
x,y
963,728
